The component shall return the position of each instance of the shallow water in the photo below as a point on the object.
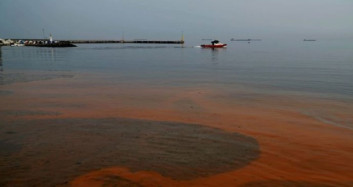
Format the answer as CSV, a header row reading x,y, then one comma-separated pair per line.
x,y
248,114
176,150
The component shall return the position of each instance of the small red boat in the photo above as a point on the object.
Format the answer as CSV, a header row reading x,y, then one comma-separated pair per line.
x,y
215,44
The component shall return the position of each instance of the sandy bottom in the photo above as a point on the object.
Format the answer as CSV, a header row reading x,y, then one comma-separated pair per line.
x,y
83,130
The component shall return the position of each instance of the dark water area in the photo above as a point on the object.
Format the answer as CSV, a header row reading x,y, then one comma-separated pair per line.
x,y
176,150
320,67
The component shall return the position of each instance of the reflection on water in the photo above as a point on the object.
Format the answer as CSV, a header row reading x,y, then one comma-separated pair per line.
x,y
23,56
47,54
1,69
52,54
25,59
215,54
34,58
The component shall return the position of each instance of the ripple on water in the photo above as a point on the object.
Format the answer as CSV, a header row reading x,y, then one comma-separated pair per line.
x,y
10,78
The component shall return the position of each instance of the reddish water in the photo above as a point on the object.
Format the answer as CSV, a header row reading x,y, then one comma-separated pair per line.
x,y
112,115
61,132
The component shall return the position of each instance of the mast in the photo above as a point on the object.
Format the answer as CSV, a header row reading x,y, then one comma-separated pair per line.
x,y
43,33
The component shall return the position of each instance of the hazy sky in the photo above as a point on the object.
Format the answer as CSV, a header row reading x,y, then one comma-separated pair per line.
x,y
166,19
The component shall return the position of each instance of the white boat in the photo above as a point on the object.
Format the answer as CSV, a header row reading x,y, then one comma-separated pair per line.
x,y
17,45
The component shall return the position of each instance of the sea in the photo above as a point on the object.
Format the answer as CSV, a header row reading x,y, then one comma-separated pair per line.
x,y
323,68
264,112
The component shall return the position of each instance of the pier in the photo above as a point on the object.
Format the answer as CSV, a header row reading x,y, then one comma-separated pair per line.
x,y
109,41
128,41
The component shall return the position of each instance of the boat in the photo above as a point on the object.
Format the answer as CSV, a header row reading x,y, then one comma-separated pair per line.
x,y
244,40
309,40
17,45
214,44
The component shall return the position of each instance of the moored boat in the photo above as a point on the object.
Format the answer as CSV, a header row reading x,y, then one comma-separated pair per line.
x,y
17,45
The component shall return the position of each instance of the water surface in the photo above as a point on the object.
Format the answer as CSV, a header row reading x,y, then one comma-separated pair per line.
x,y
322,67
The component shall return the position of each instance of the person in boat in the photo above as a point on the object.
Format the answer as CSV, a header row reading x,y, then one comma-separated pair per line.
x,y
215,42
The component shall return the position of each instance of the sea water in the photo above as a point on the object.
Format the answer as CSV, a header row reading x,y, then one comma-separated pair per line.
x,y
321,67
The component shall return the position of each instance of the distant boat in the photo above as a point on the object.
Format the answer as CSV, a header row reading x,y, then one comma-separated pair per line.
x,y
309,40
244,40
214,44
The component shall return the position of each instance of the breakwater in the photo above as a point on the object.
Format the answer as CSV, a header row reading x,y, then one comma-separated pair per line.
x,y
110,41
129,41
